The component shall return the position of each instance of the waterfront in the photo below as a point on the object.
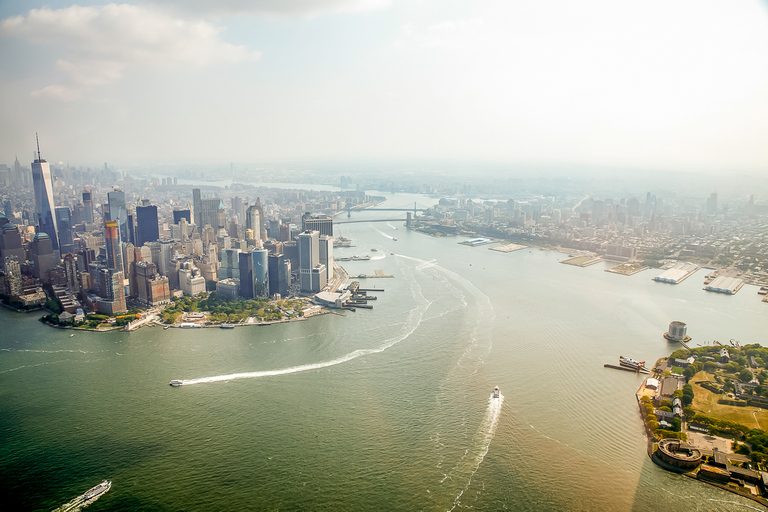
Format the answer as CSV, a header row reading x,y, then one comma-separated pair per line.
x,y
378,410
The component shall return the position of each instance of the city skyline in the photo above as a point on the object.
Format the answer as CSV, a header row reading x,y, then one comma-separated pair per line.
x,y
604,84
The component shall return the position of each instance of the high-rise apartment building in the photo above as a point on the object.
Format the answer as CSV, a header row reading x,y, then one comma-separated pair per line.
x,y
41,179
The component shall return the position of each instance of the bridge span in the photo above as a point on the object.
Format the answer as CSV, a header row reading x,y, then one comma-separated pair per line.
x,y
368,220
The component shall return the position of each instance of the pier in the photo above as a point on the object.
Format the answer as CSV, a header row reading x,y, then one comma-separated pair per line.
x,y
624,368
378,273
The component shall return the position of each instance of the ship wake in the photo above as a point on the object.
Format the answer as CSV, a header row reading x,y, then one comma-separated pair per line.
x,y
414,320
471,460
77,504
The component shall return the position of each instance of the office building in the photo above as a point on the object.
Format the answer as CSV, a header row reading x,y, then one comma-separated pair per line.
x,y
254,273
44,208
326,255
87,207
64,228
114,252
229,288
191,282
279,274
197,207
230,264
179,214
253,223
147,229
317,222
10,243
152,288
41,252
117,212
309,262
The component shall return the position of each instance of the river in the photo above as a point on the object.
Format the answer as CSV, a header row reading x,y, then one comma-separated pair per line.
x,y
376,410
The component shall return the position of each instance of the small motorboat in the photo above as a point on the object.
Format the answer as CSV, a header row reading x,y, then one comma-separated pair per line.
x,y
496,392
176,383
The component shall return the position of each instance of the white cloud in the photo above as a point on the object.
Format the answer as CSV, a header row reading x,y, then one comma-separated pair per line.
x,y
447,35
102,42
279,7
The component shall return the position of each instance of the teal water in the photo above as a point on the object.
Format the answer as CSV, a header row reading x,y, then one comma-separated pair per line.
x,y
377,410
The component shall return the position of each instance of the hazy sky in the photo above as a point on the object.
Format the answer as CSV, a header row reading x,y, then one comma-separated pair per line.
x,y
662,84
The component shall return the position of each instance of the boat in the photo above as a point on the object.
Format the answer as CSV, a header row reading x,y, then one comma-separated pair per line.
x,y
763,290
496,393
227,326
97,491
631,363
176,382
374,250
394,239
71,335
166,327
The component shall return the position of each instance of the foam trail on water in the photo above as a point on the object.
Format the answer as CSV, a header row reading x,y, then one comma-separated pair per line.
x,y
383,233
486,434
414,319
390,225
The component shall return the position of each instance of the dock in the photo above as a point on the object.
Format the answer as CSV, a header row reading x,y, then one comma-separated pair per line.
x,y
678,273
377,273
624,368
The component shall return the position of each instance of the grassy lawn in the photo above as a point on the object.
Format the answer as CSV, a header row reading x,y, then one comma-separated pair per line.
x,y
705,402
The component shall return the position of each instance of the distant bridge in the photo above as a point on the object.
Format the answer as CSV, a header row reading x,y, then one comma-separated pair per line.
x,y
368,220
388,209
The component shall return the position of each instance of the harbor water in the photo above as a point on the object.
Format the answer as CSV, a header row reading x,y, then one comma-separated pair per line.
x,y
383,409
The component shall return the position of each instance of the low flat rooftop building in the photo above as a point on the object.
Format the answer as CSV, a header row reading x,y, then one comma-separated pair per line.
x,y
677,273
723,284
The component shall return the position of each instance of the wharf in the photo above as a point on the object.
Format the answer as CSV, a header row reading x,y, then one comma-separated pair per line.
x,y
377,273
582,261
370,289
617,367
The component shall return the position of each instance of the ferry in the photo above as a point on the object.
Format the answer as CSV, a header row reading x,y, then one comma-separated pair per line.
x,y
496,393
97,491
631,363
227,326
176,382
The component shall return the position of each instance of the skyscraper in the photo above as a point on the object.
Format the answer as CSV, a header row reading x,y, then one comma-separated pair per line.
x,y
117,212
87,206
309,258
114,254
253,222
321,223
147,227
64,223
197,207
41,178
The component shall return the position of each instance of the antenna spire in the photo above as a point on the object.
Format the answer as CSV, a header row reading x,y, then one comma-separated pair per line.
x,y
39,158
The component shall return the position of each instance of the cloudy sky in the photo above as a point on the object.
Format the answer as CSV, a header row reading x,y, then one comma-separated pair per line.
x,y
656,84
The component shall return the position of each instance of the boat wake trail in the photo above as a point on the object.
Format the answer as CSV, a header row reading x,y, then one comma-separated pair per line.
x,y
383,233
412,323
77,504
470,463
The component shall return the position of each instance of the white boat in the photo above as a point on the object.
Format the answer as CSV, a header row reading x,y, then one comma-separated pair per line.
x,y
97,491
496,393
71,335
176,382
631,363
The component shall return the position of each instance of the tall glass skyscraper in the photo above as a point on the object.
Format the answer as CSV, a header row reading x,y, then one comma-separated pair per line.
x,y
41,179
116,202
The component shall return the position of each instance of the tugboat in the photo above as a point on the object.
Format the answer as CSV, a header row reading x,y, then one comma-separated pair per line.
x,y
496,392
96,491
176,382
